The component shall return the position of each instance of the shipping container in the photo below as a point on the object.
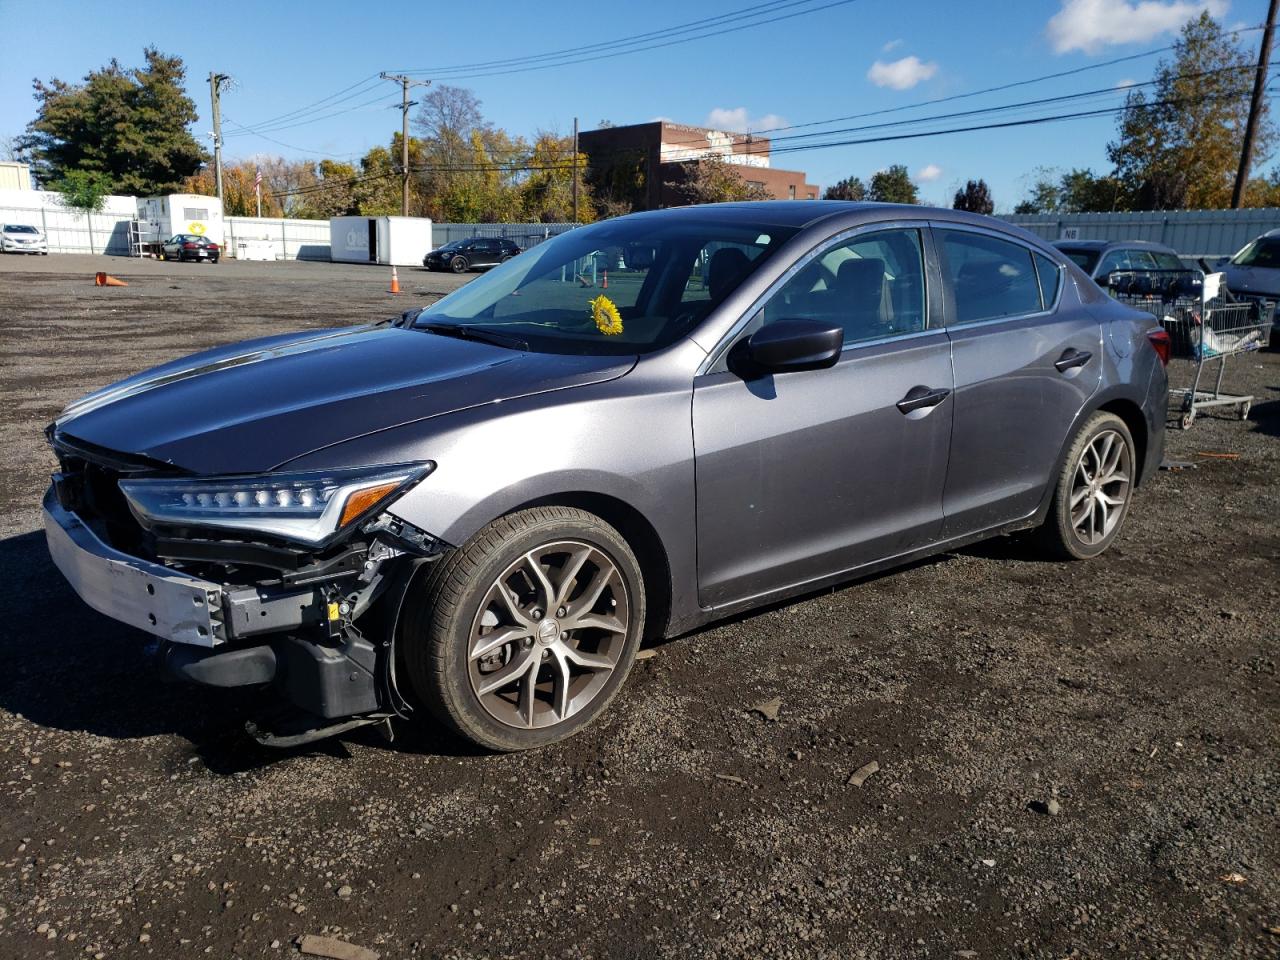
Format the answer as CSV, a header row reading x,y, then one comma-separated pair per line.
x,y
393,241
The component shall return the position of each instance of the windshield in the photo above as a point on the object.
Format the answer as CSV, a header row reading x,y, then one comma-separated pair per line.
x,y
1263,252
614,288
19,228
1084,259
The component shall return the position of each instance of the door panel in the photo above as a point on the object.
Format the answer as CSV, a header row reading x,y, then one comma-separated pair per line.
x,y
809,473
1013,406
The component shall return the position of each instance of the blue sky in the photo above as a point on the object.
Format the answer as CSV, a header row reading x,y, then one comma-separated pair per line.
x,y
854,57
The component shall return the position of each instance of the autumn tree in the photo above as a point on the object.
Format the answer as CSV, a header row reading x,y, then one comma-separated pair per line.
x,y
975,197
1179,146
712,179
893,185
547,189
128,125
850,188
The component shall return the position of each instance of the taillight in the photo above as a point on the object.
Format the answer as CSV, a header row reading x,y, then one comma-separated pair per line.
x,y
188,246
1159,338
213,246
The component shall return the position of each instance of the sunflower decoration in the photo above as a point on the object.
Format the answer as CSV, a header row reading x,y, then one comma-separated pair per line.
x,y
605,314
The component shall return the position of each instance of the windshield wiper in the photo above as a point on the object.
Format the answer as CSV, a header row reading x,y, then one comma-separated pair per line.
x,y
466,332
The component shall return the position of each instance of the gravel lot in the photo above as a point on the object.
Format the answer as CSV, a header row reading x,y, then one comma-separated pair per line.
x,y
1074,759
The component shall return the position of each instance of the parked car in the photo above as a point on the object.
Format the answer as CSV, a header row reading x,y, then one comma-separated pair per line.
x,y
480,509
1254,273
23,238
1101,258
475,254
189,246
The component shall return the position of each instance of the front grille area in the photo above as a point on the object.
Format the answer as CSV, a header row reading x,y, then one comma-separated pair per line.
x,y
89,486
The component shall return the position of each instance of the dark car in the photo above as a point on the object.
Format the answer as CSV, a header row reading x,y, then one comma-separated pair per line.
x,y
1254,273
479,510
475,254
189,246
1101,258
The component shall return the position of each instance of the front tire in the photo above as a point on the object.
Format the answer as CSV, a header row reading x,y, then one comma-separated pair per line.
x,y
458,265
1093,491
524,635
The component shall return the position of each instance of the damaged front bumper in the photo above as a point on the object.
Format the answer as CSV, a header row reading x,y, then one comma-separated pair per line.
x,y
301,639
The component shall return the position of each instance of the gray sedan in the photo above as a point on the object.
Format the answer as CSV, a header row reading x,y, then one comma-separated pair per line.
x,y
478,512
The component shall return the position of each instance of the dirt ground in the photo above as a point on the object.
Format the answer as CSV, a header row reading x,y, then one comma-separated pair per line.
x,y
1136,697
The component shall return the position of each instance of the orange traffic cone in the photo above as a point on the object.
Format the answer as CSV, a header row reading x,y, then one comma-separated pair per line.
x,y
103,280
606,281
395,281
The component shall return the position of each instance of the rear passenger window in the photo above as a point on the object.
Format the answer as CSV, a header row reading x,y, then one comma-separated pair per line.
x,y
1050,276
990,278
872,286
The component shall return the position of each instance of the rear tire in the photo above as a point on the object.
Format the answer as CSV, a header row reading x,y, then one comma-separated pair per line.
x,y
1092,492
524,635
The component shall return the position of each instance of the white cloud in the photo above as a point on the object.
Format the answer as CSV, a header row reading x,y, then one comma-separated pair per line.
x,y
737,120
930,171
1126,83
891,45
901,74
1090,25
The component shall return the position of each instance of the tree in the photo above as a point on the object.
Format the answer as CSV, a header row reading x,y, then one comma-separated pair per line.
x,y
893,186
1179,146
547,191
127,125
713,179
82,190
1076,191
975,197
850,188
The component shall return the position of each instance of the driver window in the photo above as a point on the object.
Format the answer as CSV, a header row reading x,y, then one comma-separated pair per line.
x,y
872,286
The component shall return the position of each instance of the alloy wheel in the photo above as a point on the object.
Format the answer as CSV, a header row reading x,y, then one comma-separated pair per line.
x,y
548,634
1100,487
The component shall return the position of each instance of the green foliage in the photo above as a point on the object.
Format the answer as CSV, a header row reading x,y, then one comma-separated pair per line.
x,y
546,195
127,125
82,190
1179,146
893,185
975,197
850,188
1076,191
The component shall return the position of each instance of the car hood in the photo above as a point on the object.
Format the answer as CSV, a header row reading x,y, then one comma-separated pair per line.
x,y
1260,280
253,406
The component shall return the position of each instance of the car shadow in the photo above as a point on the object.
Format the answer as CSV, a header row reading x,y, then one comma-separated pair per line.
x,y
70,668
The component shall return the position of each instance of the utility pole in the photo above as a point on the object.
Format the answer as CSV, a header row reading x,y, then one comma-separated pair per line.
x,y
1255,105
575,169
216,80
405,104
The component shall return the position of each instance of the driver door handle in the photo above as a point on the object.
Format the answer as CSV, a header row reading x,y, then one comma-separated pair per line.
x,y
1072,358
918,398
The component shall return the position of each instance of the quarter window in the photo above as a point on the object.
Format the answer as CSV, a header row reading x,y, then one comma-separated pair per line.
x,y
1050,276
990,278
872,286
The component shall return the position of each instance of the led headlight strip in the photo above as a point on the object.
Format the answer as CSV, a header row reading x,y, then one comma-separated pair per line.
x,y
308,507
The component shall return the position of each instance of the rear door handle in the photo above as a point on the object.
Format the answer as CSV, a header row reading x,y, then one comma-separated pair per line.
x,y
1072,358
918,398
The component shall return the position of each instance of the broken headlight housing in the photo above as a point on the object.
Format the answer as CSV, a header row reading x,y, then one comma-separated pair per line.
x,y
307,507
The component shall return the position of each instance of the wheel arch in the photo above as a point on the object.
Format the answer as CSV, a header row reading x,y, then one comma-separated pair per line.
x,y
635,528
1131,414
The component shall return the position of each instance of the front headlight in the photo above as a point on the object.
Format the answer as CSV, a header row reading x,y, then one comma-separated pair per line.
x,y
308,507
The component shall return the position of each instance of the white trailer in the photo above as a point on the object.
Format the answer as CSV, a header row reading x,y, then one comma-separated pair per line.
x,y
160,218
392,241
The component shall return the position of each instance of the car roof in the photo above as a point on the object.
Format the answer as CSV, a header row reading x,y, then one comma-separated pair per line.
x,y
1113,244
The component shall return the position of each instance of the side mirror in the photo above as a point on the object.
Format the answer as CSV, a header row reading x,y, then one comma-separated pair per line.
x,y
795,345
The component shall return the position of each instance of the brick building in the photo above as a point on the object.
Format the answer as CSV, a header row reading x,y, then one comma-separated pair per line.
x,y
641,160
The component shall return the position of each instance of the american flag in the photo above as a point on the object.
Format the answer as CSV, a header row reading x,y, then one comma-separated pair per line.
x,y
257,178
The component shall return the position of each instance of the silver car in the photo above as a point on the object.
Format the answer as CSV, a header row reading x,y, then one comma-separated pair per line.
x,y
23,238
480,510
1254,273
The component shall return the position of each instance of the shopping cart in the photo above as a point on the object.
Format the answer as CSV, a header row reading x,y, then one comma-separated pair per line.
x,y
1200,331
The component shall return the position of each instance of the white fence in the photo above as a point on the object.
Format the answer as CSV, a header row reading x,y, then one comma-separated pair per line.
x,y
290,239
69,231
1193,233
